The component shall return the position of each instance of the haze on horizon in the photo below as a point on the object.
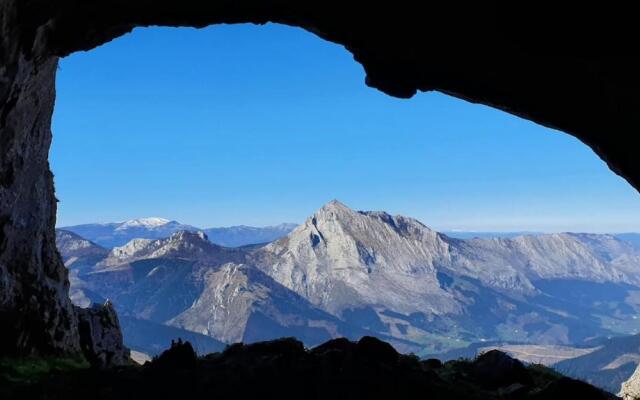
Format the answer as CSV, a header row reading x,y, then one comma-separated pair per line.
x,y
260,125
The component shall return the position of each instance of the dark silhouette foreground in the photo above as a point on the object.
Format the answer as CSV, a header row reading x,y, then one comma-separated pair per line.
x,y
284,369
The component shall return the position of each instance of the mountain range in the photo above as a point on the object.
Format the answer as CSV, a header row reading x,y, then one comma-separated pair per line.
x,y
353,273
114,234
629,237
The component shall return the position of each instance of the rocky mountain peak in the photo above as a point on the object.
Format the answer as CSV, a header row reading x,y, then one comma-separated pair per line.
x,y
181,244
190,237
365,234
130,249
336,206
340,256
336,212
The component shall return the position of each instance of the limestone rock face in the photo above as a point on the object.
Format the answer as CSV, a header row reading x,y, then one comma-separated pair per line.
x,y
630,390
182,244
101,337
239,303
341,258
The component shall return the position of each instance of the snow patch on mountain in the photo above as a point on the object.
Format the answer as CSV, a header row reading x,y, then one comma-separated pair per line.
x,y
151,222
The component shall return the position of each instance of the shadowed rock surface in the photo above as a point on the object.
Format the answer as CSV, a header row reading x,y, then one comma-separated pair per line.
x,y
495,369
101,336
36,313
284,369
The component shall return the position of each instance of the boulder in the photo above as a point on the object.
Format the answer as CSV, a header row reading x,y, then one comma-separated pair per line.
x,y
100,336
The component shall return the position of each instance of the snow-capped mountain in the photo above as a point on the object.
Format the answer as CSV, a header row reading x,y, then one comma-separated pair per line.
x,y
150,223
116,234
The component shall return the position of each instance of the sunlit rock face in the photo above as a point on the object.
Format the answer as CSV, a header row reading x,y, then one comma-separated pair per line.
x,y
242,304
579,83
630,389
340,258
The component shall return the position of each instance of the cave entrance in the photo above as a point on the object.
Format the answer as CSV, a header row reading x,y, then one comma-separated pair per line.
x,y
263,125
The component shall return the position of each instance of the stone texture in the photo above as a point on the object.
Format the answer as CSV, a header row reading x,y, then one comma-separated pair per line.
x,y
36,314
101,337
630,390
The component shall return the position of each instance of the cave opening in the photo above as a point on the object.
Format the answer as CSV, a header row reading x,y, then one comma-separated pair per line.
x,y
551,66
187,127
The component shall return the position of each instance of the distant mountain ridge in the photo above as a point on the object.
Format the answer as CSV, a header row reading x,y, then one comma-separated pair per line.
x,y
630,237
115,234
236,236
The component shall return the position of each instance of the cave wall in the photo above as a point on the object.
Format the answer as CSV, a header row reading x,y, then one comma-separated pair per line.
x,y
569,69
35,311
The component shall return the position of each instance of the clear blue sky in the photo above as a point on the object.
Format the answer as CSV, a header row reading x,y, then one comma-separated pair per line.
x,y
259,125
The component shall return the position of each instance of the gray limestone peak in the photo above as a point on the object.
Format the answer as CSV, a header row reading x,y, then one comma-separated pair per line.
x,y
340,258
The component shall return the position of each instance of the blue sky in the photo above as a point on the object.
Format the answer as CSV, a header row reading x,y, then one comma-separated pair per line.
x,y
259,125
